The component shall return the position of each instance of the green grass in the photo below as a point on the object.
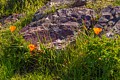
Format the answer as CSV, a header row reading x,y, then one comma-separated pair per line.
x,y
89,58
19,6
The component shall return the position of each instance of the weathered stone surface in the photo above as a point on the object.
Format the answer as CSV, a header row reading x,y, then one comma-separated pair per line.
x,y
110,21
60,28
56,4
70,3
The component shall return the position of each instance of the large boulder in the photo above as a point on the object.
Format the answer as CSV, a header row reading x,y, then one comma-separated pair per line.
x,y
60,28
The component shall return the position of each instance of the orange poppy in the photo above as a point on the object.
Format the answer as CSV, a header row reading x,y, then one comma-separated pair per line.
x,y
12,28
31,47
97,30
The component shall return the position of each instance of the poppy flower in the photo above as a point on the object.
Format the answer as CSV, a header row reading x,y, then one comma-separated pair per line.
x,y
31,47
97,30
12,28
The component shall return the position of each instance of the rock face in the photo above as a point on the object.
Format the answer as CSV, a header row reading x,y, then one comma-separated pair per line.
x,y
59,28
110,21
56,4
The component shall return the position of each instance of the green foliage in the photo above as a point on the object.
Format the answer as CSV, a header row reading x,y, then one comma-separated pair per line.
x,y
17,6
117,3
13,52
98,59
97,5
89,58
34,76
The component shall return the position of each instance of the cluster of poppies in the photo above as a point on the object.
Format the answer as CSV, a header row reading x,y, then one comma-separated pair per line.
x,y
30,46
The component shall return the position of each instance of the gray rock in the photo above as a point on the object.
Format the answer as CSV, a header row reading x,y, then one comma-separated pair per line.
x,y
11,18
110,21
60,28
56,4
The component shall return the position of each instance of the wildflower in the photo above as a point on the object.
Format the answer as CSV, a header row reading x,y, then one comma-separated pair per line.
x,y
31,47
97,30
12,28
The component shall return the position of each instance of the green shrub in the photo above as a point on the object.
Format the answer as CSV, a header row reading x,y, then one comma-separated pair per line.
x,y
13,52
98,59
88,58
19,6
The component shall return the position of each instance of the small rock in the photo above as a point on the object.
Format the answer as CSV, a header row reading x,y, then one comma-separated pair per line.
x,y
110,21
10,19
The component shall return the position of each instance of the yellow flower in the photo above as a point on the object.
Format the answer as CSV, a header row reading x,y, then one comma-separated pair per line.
x,y
97,30
31,47
12,28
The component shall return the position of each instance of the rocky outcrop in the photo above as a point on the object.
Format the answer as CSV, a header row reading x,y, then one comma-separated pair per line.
x,y
110,21
60,28
56,4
